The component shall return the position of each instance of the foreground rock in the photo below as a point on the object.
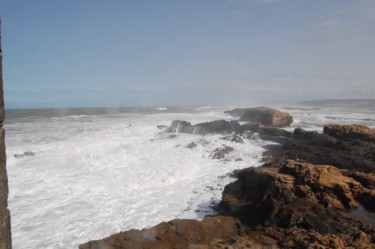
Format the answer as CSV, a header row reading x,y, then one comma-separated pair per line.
x,y
263,116
174,234
295,201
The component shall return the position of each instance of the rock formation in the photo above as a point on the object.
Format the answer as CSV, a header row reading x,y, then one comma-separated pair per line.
x,y
297,199
218,126
263,116
352,152
5,234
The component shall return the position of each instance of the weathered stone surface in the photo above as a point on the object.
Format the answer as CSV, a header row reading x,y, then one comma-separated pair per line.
x,y
2,113
174,235
263,116
5,234
296,198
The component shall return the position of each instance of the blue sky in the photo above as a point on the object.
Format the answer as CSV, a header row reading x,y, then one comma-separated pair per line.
x,y
80,53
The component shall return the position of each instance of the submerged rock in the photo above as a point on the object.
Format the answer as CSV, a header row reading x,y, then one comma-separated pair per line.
x,y
192,145
220,153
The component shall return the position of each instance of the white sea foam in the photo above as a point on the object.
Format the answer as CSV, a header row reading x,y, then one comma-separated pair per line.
x,y
95,175
92,176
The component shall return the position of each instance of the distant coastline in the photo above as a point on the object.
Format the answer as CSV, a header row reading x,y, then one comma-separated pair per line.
x,y
354,103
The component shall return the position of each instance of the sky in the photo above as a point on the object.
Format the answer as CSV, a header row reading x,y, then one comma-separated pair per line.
x,y
102,53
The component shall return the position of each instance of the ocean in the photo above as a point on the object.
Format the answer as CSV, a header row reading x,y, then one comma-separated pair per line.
x,y
82,174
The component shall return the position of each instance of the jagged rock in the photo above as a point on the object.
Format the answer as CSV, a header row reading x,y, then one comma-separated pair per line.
x,y
264,116
350,131
217,126
300,196
310,146
260,193
366,179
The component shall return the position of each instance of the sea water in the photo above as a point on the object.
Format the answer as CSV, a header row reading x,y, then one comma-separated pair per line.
x,y
83,174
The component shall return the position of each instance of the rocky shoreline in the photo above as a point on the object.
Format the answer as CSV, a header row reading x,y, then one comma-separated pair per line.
x,y
306,195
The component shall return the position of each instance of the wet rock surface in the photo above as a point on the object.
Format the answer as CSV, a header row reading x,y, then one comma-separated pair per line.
x,y
306,195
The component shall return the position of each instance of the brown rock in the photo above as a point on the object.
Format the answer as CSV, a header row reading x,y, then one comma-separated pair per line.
x,y
174,234
294,195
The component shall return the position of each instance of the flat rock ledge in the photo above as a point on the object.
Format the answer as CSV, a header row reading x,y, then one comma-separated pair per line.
x,y
297,199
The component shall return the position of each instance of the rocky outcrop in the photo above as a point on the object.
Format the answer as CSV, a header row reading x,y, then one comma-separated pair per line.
x,y
174,234
301,203
217,126
264,116
344,152
295,198
350,132
5,234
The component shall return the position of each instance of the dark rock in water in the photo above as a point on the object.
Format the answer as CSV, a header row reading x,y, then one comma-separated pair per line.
x,y
233,138
263,116
350,132
161,127
218,126
191,145
25,154
219,153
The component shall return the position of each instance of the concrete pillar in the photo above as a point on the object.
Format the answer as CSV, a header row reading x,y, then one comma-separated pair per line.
x,y
5,234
